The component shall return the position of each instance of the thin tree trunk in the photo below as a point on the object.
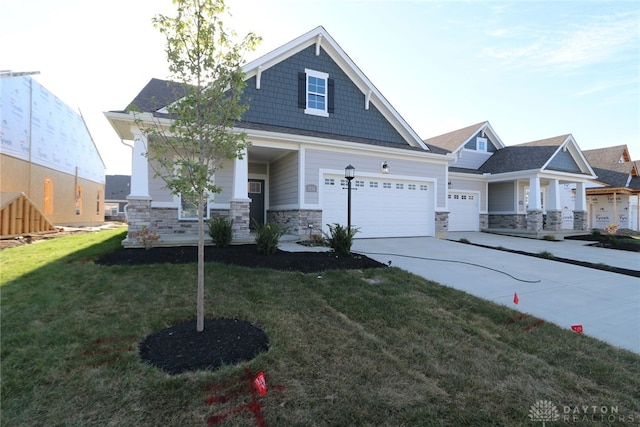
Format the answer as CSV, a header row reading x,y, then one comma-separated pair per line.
x,y
200,303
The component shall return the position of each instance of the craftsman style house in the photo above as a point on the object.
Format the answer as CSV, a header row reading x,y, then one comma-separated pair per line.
x,y
312,112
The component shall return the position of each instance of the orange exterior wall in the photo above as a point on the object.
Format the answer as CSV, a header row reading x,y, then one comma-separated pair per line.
x,y
21,176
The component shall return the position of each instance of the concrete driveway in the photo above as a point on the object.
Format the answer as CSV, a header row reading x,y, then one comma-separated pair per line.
x,y
607,305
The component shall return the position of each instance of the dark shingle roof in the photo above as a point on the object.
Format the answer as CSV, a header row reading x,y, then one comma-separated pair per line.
x,y
450,141
530,155
157,94
606,164
117,187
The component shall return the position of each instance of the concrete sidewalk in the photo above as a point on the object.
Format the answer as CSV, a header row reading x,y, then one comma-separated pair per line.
x,y
606,304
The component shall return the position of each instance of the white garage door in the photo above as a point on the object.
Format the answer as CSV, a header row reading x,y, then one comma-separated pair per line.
x,y
464,211
380,207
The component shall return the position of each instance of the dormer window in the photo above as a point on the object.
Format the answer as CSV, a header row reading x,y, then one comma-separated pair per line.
x,y
481,144
315,93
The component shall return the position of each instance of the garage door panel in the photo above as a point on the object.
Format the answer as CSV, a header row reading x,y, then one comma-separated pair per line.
x,y
464,211
388,208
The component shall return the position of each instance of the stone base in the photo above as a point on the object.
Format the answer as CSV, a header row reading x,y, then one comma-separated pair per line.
x,y
534,220
240,214
507,221
298,222
579,220
442,224
553,221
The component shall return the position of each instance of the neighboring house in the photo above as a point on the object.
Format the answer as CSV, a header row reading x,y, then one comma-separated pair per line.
x,y
490,183
117,188
50,166
613,199
312,113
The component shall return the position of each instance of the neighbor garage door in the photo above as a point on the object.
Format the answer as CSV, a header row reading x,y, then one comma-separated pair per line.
x,y
380,207
464,213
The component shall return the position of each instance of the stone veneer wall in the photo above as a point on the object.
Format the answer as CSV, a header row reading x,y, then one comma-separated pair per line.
x,y
166,223
509,221
442,223
297,220
240,214
484,221
553,221
138,214
534,220
579,220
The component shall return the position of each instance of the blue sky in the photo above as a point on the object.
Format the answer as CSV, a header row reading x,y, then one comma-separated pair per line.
x,y
533,69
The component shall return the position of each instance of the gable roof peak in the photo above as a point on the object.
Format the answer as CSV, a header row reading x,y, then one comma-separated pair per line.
x,y
456,140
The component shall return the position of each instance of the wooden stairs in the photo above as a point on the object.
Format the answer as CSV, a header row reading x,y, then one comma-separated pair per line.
x,y
19,217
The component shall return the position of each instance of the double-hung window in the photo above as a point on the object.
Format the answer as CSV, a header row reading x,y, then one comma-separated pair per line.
x,y
189,206
315,93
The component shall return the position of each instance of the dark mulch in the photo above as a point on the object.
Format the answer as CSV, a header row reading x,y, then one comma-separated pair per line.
x,y
241,255
622,243
180,348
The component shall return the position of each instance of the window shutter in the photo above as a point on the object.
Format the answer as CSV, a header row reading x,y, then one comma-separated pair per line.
x,y
331,86
302,90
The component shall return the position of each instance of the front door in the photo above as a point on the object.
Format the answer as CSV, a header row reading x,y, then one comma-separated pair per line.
x,y
256,194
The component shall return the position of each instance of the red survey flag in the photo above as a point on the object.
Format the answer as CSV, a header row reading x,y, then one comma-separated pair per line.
x,y
577,328
261,384
516,300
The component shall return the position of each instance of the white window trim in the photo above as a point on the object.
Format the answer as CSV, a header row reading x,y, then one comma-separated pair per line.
x,y
319,75
484,140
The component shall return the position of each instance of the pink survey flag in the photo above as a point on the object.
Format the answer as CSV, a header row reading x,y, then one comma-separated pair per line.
x,y
516,300
577,328
261,384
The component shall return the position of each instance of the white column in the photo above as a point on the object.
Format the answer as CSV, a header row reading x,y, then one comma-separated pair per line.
x,y
581,197
553,204
139,167
534,193
240,178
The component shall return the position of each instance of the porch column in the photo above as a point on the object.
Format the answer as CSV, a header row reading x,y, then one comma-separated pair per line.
x,y
534,211
580,212
138,208
554,210
240,202
139,167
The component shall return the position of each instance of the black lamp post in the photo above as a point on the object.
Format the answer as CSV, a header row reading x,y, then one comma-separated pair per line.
x,y
349,174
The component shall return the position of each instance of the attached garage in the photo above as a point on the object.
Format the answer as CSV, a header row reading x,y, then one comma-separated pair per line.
x,y
380,207
464,211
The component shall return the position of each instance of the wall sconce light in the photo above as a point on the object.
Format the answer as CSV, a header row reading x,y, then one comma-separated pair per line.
x,y
384,168
449,184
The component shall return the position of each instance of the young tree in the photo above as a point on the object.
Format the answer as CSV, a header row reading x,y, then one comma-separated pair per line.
x,y
187,150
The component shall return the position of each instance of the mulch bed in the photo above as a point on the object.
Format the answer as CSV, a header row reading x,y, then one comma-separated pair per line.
x,y
241,255
180,348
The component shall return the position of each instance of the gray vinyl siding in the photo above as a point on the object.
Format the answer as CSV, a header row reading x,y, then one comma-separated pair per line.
x,y
276,102
502,197
158,188
564,161
258,168
224,180
283,181
317,159
471,159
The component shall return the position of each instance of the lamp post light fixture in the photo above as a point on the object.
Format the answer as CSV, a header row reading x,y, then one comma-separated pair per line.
x,y
349,174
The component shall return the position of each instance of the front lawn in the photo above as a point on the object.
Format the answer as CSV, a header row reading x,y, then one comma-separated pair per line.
x,y
372,347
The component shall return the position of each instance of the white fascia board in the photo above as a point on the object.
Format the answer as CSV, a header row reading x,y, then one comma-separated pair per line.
x,y
487,127
467,176
267,137
571,145
347,65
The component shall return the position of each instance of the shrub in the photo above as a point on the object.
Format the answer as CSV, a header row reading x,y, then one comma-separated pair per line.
x,y
221,231
340,238
549,237
267,237
317,239
546,255
596,233
464,240
145,237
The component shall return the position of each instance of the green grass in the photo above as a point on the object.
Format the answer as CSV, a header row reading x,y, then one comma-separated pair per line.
x,y
370,348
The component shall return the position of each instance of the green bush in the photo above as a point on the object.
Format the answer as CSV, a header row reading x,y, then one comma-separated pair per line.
x,y
221,231
340,238
267,237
